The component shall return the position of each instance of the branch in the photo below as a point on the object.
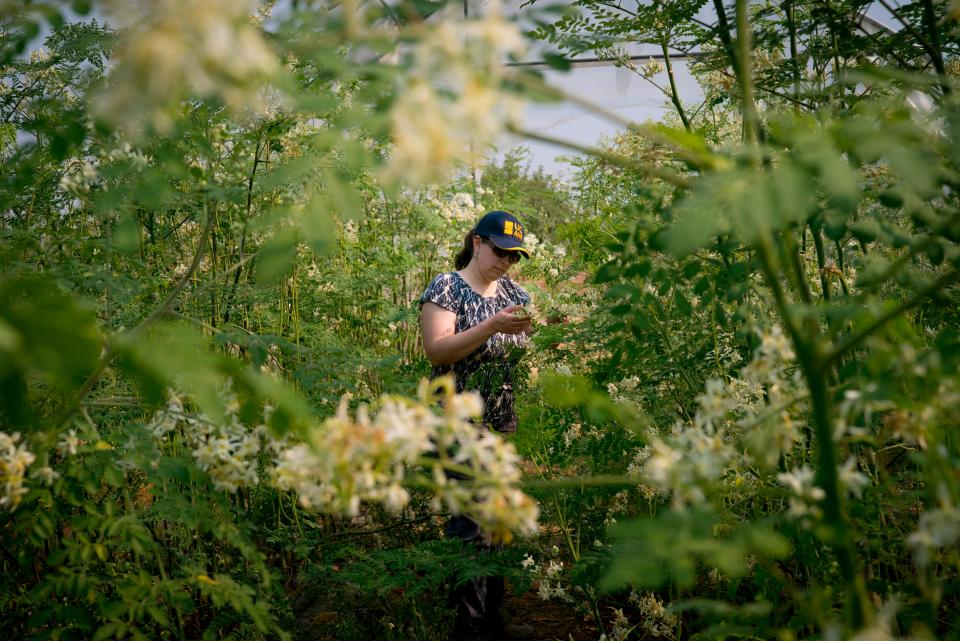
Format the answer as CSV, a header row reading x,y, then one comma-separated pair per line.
x,y
109,350
693,159
909,27
614,159
855,339
632,14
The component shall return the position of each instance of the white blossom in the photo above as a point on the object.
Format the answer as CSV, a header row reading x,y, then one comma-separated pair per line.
x,y
347,460
654,617
937,528
555,569
451,105
651,68
69,442
14,460
169,47
851,478
805,495
544,591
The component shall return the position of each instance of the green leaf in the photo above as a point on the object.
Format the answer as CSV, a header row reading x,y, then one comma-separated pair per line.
x,y
607,272
916,168
174,355
697,223
670,547
683,305
126,234
275,258
49,331
294,171
318,227
158,615
835,224
628,290
935,252
691,269
737,291
557,61
10,339
105,631
736,200
866,230
790,190
639,269
341,194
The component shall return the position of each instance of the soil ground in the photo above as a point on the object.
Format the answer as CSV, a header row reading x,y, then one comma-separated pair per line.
x,y
551,620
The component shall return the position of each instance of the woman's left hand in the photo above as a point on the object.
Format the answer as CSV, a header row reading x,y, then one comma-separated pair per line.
x,y
505,322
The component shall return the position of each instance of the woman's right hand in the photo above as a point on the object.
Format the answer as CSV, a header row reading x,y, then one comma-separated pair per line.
x,y
504,322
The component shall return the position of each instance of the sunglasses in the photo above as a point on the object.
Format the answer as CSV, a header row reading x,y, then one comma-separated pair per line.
x,y
513,257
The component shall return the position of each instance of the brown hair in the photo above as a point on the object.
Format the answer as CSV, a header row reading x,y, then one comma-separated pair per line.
x,y
466,254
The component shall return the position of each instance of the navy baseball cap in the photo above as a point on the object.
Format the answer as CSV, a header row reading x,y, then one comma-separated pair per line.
x,y
503,230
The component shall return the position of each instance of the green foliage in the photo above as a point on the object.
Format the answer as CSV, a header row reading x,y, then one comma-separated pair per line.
x,y
741,403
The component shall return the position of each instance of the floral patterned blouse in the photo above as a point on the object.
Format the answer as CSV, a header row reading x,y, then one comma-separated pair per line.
x,y
490,368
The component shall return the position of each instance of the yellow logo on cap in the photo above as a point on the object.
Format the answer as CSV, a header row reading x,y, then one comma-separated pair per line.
x,y
513,229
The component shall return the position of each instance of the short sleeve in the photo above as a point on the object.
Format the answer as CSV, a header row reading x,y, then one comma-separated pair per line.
x,y
515,294
441,291
523,296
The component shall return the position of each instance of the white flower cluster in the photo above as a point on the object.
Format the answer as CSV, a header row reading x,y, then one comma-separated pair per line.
x,y
622,390
621,626
572,434
806,496
635,469
229,451
651,68
168,47
549,263
128,153
78,177
739,421
69,442
549,576
347,460
771,358
655,618
937,528
450,106
14,460
459,208
688,458
349,232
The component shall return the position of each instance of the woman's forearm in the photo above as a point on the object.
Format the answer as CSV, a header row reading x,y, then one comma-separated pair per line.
x,y
450,349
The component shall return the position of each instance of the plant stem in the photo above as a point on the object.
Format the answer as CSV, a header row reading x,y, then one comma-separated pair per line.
x,y
109,349
821,261
751,121
816,371
839,536
723,31
674,93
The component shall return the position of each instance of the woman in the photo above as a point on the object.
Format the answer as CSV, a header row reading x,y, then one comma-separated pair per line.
x,y
471,328
468,317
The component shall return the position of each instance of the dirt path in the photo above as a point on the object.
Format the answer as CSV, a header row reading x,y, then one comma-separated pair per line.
x,y
552,620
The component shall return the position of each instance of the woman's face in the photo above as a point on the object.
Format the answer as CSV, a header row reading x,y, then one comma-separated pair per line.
x,y
491,265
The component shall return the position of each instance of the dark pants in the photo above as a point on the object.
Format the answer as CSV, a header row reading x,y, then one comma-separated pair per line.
x,y
477,600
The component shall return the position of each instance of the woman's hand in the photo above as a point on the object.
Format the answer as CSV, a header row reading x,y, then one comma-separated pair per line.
x,y
504,322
